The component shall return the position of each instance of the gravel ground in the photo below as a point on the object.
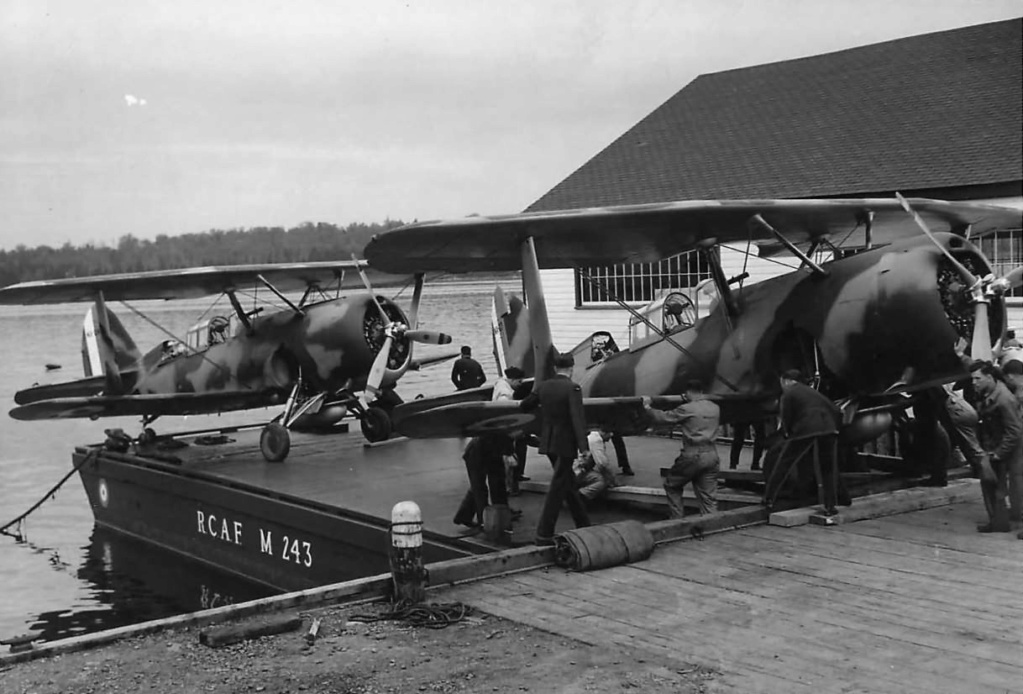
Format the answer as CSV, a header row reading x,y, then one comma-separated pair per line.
x,y
481,653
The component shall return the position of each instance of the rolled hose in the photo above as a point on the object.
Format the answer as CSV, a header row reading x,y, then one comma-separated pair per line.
x,y
602,546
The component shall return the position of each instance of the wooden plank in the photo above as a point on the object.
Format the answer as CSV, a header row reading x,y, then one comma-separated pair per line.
x,y
904,500
790,615
796,560
625,618
912,557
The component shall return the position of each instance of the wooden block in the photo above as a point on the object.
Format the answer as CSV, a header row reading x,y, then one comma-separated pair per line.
x,y
225,636
903,501
792,517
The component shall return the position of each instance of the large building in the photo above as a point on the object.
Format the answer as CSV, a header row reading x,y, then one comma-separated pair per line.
x,y
937,115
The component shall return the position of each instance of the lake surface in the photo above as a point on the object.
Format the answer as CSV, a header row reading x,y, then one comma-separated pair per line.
x,y
65,577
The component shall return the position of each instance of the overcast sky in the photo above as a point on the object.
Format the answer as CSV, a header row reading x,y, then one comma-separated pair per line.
x,y
149,117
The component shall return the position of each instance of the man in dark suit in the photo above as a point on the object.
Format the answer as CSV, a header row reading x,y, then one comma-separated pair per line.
x,y
562,437
809,452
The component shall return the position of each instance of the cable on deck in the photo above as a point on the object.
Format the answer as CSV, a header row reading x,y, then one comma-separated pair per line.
x,y
431,616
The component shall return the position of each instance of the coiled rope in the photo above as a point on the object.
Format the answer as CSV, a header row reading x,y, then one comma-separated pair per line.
x,y
431,616
19,521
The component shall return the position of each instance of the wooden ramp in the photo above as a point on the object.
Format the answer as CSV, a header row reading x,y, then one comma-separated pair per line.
x,y
916,602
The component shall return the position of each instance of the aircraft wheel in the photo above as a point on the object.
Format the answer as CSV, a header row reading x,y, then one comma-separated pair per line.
x,y
275,442
147,437
376,424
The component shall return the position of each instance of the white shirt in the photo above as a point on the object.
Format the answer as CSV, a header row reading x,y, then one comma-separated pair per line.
x,y
601,461
503,390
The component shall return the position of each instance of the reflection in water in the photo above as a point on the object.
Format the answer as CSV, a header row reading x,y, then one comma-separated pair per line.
x,y
129,581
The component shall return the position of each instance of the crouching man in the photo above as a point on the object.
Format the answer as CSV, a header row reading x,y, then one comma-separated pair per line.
x,y
595,475
698,419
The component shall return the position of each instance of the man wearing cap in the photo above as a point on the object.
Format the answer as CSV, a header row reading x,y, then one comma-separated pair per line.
x,y
562,437
509,388
467,372
697,462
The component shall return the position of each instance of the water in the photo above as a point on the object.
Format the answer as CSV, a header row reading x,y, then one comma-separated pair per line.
x,y
66,577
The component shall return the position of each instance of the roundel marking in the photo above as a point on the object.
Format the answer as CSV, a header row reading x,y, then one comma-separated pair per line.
x,y
506,421
104,493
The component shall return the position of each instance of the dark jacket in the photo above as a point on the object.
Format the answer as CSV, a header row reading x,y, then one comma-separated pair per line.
x,y
804,411
467,373
562,423
1000,424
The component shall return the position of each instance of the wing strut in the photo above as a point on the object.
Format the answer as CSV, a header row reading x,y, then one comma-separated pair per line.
x,y
280,296
761,222
238,310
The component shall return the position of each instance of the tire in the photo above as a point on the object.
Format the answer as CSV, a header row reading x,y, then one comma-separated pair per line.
x,y
275,442
376,425
148,437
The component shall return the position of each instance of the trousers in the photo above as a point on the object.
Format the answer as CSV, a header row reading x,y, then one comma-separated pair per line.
x,y
563,490
699,465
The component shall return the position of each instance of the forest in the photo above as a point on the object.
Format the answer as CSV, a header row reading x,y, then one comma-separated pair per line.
x,y
307,242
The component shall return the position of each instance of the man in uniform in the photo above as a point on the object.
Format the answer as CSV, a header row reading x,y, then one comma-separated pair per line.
x,y
562,437
1001,435
467,372
697,462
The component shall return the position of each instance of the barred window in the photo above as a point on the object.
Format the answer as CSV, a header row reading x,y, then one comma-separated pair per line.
x,y
639,283
1005,251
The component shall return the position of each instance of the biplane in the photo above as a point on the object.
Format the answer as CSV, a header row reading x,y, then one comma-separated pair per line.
x,y
323,356
874,324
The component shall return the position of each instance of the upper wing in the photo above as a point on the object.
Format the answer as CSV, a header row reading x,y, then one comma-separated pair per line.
x,y
646,233
195,282
153,405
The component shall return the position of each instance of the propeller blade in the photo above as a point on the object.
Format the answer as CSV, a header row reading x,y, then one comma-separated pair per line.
x,y
1006,284
1015,278
376,372
980,347
417,295
369,288
429,337
968,276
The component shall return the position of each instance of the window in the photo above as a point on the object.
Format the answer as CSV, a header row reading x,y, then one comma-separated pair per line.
x,y
1005,251
639,283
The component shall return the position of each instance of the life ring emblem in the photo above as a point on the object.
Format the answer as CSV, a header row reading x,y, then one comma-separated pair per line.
x,y
104,493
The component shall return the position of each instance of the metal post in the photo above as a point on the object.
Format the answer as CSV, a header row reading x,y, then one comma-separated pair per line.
x,y
406,555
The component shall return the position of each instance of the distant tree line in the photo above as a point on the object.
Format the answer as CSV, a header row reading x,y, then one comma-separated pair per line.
x,y
304,243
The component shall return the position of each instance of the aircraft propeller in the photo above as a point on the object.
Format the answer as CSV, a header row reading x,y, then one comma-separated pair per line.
x,y
396,330
981,289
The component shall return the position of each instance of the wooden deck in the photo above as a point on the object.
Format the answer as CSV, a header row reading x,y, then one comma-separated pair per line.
x,y
916,602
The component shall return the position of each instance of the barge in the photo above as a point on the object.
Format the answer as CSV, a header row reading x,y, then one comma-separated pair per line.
x,y
323,516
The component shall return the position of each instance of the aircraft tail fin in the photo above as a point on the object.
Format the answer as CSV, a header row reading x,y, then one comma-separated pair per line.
x,y
513,346
107,348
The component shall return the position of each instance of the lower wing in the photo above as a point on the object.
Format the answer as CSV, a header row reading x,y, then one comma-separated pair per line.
x,y
148,405
430,418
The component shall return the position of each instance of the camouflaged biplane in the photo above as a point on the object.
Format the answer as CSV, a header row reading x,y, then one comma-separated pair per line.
x,y
876,325
323,357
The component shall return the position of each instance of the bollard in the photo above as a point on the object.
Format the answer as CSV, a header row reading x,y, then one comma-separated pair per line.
x,y
406,556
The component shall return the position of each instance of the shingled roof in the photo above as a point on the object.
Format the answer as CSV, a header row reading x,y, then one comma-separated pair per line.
x,y
921,113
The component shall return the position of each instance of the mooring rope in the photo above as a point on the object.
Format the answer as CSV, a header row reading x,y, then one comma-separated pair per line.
x,y
17,535
431,616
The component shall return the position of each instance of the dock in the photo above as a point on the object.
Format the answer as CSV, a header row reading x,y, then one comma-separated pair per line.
x,y
917,602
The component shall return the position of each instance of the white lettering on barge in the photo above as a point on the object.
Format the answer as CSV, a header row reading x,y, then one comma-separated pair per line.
x,y
292,549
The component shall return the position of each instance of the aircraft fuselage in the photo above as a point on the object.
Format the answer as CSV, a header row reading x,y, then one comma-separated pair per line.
x,y
874,317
